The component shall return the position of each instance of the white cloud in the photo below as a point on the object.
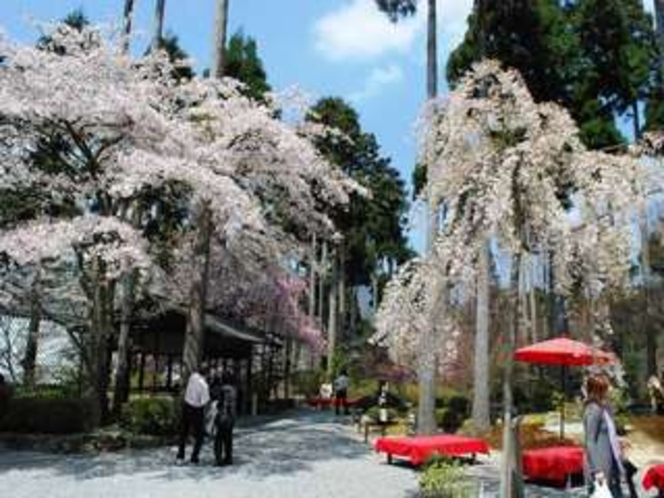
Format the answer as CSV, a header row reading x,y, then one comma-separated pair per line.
x,y
377,80
357,30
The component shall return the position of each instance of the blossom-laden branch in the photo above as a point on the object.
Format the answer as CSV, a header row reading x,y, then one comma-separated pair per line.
x,y
505,168
86,127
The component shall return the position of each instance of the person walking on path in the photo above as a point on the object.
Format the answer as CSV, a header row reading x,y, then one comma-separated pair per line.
x,y
196,397
603,451
341,392
225,398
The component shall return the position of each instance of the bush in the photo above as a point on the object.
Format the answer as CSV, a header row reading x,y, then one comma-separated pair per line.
x,y
155,416
374,414
47,416
445,478
307,382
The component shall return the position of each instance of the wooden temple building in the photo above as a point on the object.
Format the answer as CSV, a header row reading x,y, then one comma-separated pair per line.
x,y
252,356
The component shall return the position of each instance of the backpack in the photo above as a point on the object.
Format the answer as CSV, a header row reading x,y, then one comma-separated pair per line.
x,y
226,406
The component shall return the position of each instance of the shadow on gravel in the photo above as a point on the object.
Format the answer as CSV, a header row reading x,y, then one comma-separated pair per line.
x,y
279,447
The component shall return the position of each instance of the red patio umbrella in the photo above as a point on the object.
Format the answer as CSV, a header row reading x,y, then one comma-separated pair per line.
x,y
562,351
565,352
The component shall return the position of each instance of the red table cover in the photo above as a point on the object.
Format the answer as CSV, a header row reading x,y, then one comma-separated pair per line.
x,y
554,463
419,448
654,477
327,402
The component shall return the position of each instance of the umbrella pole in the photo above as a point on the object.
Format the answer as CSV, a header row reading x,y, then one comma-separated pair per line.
x,y
563,374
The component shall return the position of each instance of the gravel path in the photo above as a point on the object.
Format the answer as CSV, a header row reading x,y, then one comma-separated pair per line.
x,y
309,455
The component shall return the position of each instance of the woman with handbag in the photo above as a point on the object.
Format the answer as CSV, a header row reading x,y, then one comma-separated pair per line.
x,y
603,451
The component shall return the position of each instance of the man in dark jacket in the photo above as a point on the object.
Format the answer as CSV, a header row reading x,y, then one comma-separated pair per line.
x,y
225,398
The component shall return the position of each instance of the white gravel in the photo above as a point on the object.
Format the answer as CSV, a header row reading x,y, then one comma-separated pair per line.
x,y
310,455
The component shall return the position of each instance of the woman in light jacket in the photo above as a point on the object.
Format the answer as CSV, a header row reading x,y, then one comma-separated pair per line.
x,y
603,452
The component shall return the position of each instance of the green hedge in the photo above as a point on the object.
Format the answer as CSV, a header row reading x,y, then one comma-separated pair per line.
x,y
154,416
47,416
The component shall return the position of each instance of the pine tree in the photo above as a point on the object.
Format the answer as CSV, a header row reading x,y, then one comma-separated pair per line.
x,y
243,63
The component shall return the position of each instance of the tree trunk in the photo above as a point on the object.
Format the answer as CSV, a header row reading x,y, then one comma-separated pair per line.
x,y
636,120
427,361
312,279
432,51
29,362
650,331
353,312
195,331
158,35
532,298
341,280
313,265
99,333
322,275
332,317
121,392
127,22
659,16
374,292
509,469
288,351
122,381
220,27
481,394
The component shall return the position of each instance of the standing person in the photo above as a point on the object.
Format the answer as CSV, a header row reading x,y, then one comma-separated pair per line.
x,y
656,394
196,397
341,392
603,451
225,398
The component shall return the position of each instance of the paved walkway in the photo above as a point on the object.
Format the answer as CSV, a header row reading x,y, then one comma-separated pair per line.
x,y
307,454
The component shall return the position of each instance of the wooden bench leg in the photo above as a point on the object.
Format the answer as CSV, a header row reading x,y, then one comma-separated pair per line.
x,y
366,433
389,458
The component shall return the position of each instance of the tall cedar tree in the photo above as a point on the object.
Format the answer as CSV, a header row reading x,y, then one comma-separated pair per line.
x,y
595,57
244,64
373,228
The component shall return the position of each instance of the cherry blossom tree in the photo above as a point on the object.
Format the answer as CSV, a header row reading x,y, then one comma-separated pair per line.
x,y
118,132
508,169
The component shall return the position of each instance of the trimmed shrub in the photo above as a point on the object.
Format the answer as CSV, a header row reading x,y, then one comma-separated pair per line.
x,y
154,416
47,416
445,478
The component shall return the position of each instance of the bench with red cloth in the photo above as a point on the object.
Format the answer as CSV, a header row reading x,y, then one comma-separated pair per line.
x,y
555,464
418,449
654,478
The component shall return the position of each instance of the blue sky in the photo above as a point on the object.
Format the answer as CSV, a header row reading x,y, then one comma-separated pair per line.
x,y
324,47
